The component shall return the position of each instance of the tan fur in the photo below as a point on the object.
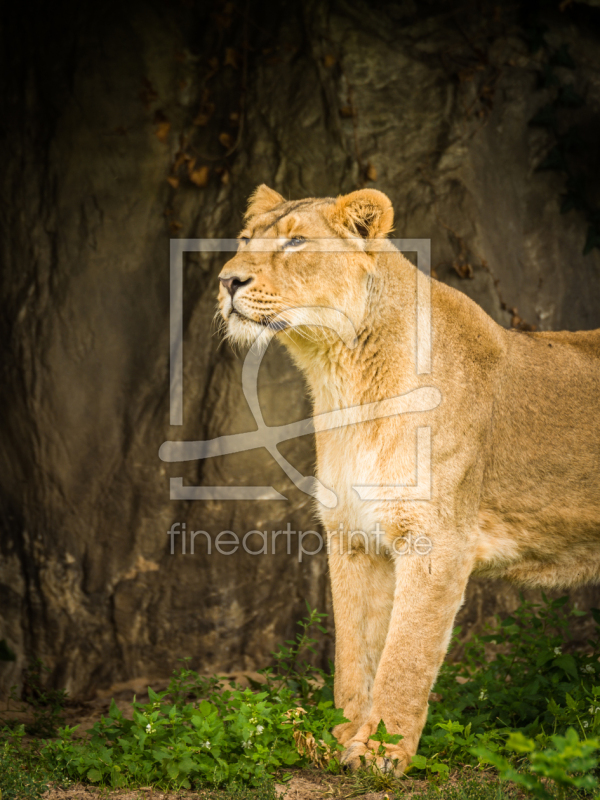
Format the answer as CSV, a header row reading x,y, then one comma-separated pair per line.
x,y
515,446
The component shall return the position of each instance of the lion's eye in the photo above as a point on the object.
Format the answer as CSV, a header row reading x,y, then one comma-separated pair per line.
x,y
295,242
244,239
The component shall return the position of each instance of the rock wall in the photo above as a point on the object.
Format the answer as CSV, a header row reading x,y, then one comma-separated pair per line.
x,y
129,124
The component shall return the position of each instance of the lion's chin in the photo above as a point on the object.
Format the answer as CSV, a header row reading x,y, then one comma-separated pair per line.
x,y
242,330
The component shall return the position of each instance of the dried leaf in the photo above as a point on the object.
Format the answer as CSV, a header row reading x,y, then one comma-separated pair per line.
x,y
225,178
148,94
223,21
200,176
226,139
231,58
517,321
174,227
463,268
162,131
371,172
179,159
329,61
163,126
319,753
347,111
173,181
204,114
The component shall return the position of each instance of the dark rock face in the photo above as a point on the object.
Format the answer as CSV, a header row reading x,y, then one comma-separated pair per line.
x,y
129,124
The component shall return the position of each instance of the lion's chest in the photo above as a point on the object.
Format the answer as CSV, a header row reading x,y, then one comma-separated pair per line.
x,y
343,464
359,455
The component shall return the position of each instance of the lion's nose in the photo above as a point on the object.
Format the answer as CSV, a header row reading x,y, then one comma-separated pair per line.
x,y
233,284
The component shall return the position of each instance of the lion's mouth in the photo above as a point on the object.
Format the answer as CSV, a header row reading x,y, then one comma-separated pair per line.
x,y
265,322
243,317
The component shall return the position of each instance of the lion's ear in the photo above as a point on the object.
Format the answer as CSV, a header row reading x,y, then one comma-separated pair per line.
x,y
367,213
262,200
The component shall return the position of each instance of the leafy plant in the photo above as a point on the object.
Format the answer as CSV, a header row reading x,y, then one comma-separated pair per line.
x,y
567,764
519,699
46,704
310,683
231,736
530,684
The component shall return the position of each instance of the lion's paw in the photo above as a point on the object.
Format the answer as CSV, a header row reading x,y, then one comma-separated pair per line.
x,y
358,754
346,731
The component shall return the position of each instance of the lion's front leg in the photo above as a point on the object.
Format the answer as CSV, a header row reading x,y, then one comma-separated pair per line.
x,y
363,592
428,593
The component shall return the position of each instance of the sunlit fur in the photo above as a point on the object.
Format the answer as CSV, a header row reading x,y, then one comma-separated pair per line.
x,y
515,477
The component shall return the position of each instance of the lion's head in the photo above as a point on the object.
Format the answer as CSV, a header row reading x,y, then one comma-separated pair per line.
x,y
301,254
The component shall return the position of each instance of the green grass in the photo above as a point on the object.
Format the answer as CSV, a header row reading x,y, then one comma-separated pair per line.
x,y
22,772
525,705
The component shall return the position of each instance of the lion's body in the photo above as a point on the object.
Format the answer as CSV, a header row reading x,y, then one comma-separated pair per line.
x,y
541,489
515,447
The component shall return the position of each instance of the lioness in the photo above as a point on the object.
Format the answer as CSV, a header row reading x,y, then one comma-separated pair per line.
x,y
515,445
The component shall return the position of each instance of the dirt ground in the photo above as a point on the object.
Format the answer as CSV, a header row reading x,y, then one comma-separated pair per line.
x,y
305,785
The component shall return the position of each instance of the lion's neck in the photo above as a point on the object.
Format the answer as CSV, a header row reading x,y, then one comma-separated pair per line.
x,y
382,362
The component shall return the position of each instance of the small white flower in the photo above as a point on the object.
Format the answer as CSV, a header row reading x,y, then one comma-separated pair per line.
x,y
483,694
150,728
586,724
253,720
594,710
557,651
589,668
247,744
259,729
206,744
